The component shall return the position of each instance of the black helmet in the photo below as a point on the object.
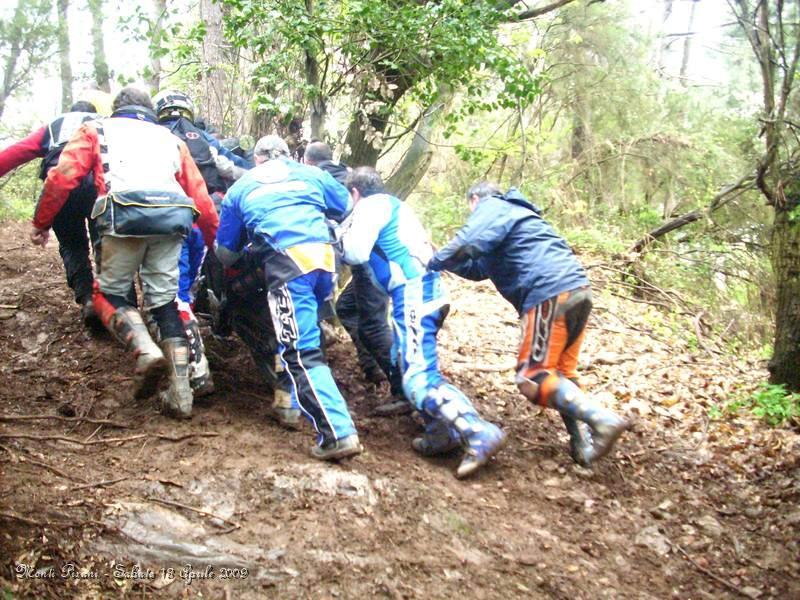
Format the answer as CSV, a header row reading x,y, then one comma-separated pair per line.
x,y
171,103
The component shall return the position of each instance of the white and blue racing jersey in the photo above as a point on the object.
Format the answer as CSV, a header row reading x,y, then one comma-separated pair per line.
x,y
386,234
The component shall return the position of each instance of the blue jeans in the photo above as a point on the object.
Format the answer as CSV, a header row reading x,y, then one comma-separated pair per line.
x,y
294,307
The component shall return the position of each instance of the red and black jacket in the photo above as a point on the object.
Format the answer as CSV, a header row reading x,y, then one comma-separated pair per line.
x,y
46,142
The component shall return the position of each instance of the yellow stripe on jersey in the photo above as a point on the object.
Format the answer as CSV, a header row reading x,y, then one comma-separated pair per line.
x,y
312,256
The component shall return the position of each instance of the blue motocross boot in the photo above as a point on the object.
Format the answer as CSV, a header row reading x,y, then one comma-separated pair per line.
x,y
481,439
606,426
483,442
439,438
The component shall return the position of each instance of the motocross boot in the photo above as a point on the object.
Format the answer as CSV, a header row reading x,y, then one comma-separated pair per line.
x,y
606,426
483,442
399,404
580,441
395,407
438,438
373,374
91,320
199,374
177,399
481,439
284,410
126,324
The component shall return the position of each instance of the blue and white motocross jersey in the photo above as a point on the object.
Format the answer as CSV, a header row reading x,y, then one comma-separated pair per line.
x,y
282,203
386,234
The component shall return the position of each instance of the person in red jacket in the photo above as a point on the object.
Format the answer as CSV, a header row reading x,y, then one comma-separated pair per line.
x,y
149,191
70,225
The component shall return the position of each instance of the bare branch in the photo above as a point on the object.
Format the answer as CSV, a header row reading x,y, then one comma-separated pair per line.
x,y
538,12
720,199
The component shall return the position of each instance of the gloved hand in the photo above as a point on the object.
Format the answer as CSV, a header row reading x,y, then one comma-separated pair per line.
x,y
227,169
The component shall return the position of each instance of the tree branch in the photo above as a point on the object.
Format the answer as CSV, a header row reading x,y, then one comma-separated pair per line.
x,y
532,13
725,195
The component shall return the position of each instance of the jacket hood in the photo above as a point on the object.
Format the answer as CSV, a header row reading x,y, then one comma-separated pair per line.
x,y
514,196
133,111
337,170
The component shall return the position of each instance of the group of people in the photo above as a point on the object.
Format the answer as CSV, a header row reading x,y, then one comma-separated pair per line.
x,y
141,183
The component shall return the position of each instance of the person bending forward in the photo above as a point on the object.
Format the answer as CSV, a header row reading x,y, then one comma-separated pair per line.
x,y
149,191
385,234
280,206
507,241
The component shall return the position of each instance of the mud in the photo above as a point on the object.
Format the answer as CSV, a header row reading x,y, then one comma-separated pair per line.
x,y
98,492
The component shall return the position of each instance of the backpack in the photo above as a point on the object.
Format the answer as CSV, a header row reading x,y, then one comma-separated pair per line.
x,y
200,150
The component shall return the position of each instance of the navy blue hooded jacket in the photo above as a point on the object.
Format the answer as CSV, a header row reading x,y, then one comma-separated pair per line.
x,y
507,240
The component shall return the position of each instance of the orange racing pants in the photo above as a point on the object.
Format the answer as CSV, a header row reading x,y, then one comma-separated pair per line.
x,y
552,334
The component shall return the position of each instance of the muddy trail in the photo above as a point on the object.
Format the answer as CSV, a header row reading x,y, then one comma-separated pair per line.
x,y
101,496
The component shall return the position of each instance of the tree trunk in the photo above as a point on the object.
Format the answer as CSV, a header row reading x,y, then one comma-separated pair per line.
x,y
154,77
419,155
318,106
261,124
581,117
664,40
362,150
687,45
364,140
8,73
763,24
215,79
785,364
63,51
101,73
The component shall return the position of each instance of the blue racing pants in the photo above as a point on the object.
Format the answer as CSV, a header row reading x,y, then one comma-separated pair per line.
x,y
294,307
420,307
193,252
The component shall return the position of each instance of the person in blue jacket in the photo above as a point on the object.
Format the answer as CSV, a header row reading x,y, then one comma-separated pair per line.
x,y
280,208
385,235
507,240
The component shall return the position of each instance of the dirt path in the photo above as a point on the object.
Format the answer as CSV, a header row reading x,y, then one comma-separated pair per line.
x,y
686,508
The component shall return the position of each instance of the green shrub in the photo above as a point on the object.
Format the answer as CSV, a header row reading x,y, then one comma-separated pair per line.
x,y
771,403
775,405
18,193
592,240
442,215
